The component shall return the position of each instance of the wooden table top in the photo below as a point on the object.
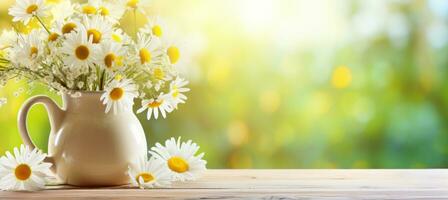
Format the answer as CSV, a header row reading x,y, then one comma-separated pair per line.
x,y
274,184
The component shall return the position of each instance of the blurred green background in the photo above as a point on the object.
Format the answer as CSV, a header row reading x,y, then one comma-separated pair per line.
x,y
297,84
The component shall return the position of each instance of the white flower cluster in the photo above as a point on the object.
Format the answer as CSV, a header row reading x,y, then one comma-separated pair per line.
x,y
85,49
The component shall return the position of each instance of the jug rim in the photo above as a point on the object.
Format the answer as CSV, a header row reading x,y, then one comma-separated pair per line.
x,y
83,91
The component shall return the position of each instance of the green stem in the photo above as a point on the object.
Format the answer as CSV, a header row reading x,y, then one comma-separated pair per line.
x,y
41,23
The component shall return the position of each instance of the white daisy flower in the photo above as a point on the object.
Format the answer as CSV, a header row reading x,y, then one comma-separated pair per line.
x,y
149,174
24,10
180,159
91,7
155,105
155,27
147,49
79,49
111,11
111,56
62,10
7,38
119,95
25,170
29,49
177,89
97,28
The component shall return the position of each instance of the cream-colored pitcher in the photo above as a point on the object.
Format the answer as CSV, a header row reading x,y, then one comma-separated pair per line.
x,y
86,146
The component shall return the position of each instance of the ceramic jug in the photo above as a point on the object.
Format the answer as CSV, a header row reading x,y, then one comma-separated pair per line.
x,y
87,146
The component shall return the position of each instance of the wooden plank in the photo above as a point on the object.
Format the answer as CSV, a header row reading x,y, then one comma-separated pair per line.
x,y
274,184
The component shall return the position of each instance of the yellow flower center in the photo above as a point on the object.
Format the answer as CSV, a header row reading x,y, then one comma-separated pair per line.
x,y
119,61
157,31
22,172
33,51
116,38
53,37
132,3
95,34
155,104
145,55
109,60
82,52
158,73
69,27
118,77
53,1
147,177
175,93
90,10
173,54
178,164
104,11
32,8
116,94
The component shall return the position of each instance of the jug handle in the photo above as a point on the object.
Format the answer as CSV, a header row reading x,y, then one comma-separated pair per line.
x,y
55,113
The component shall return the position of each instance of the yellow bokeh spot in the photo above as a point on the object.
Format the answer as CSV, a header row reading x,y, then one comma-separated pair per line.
x,y
22,172
82,52
178,164
104,11
342,77
147,177
220,73
269,101
238,133
173,54
116,93
32,8
90,10
132,3
157,31
67,28
95,34
109,60
145,55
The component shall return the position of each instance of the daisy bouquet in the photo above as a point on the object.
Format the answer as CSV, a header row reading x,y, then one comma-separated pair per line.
x,y
84,48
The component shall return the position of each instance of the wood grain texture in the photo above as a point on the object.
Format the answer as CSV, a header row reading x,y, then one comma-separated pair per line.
x,y
274,184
